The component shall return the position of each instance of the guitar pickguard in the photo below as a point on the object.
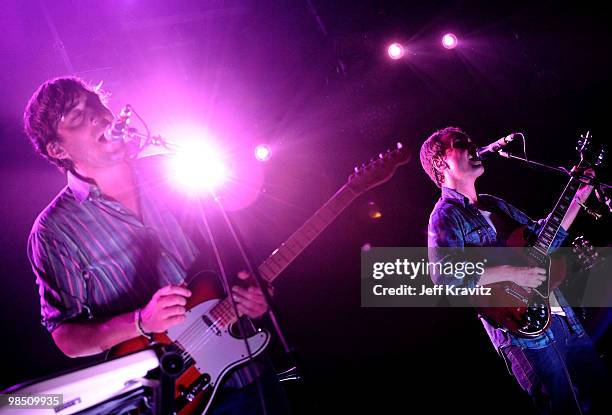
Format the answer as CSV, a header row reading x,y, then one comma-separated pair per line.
x,y
214,349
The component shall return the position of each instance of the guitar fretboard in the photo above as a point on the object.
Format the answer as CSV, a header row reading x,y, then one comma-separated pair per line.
x,y
551,227
223,313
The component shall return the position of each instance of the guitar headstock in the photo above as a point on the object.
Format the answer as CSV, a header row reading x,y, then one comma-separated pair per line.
x,y
586,255
378,170
589,155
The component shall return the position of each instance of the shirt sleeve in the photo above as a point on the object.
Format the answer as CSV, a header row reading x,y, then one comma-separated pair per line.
x,y
446,243
59,278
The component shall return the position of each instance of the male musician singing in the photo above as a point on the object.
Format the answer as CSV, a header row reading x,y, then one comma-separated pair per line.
x,y
559,369
109,256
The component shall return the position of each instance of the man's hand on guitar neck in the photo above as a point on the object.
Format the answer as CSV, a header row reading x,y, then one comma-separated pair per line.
x,y
250,300
583,193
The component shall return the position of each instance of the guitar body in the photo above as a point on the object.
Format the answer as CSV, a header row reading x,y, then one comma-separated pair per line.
x,y
525,311
211,350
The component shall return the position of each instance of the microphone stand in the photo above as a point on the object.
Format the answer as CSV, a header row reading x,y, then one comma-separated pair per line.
x,y
534,163
594,181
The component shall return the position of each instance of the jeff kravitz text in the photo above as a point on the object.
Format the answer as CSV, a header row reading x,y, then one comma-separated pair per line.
x,y
411,269
436,290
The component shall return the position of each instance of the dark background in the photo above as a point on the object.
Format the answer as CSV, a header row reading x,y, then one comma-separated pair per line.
x,y
312,79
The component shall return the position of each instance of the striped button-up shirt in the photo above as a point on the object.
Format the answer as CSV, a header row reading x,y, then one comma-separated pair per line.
x,y
93,258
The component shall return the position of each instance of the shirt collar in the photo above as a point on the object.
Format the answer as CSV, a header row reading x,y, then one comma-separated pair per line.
x,y
448,193
81,188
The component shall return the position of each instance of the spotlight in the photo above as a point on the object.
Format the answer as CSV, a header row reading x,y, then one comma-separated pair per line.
x,y
197,167
449,41
395,51
262,152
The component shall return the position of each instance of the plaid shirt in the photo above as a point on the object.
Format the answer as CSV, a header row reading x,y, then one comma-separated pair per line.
x,y
455,222
93,258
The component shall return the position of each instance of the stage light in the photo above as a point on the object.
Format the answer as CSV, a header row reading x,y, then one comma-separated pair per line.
x,y
197,167
395,51
449,41
262,152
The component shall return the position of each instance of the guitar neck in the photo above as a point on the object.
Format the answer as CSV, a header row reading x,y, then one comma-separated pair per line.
x,y
553,222
271,268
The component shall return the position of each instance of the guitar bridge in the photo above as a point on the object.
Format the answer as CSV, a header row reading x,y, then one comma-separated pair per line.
x,y
189,393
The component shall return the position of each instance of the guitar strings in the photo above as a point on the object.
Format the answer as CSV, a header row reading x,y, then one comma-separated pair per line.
x,y
194,336
208,333
189,332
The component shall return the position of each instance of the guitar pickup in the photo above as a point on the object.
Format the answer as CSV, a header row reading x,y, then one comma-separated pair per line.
x,y
516,295
211,325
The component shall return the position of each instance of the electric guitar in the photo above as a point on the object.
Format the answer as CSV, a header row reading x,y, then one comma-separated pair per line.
x,y
209,348
526,311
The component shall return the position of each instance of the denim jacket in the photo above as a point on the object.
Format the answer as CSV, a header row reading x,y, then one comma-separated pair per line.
x,y
455,222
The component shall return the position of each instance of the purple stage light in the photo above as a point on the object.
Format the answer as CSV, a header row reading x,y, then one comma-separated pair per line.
x,y
449,41
197,167
395,51
262,152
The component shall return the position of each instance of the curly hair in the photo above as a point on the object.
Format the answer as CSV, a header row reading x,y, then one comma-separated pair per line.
x,y
53,99
433,149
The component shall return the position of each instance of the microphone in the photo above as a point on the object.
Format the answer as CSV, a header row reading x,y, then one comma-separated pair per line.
x,y
118,130
495,146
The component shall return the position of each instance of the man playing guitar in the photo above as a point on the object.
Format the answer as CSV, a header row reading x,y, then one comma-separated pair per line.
x,y
559,368
110,259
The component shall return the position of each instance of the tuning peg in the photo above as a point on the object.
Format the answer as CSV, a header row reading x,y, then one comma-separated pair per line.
x,y
356,169
600,156
381,156
399,145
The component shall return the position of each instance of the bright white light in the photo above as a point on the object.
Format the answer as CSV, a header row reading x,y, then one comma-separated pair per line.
x,y
395,51
262,152
449,41
197,166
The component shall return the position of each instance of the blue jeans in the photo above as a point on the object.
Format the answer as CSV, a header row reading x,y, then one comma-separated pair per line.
x,y
566,377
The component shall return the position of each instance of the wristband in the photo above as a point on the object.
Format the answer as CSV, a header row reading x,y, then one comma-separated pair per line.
x,y
138,321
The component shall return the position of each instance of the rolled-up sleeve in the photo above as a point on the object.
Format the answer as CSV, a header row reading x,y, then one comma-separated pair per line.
x,y
59,278
445,243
